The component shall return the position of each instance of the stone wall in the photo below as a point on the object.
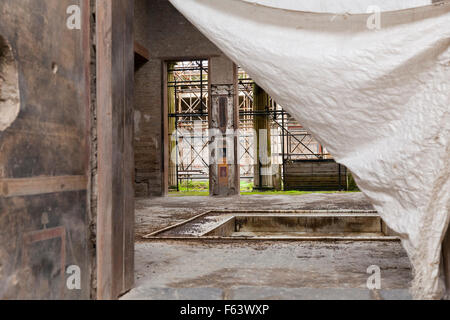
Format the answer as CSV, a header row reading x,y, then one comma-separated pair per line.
x,y
168,36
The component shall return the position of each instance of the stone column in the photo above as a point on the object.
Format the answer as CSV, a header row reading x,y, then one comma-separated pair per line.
x,y
172,127
263,176
224,175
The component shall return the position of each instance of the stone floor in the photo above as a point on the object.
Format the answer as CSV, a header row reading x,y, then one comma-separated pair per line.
x,y
261,269
157,213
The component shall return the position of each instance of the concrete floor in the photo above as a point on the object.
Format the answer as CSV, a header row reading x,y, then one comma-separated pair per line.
x,y
261,269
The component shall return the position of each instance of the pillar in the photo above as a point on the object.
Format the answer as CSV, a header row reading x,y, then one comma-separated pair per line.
x,y
115,83
263,176
224,170
171,103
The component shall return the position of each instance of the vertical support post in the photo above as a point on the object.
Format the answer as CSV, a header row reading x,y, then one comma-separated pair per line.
x,y
177,154
340,177
165,132
201,87
283,153
263,151
171,101
224,169
115,79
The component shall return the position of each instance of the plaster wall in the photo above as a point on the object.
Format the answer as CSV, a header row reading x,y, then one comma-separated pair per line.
x,y
44,153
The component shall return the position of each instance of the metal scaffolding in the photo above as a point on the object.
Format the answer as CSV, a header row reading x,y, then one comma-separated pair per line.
x,y
246,136
188,91
189,83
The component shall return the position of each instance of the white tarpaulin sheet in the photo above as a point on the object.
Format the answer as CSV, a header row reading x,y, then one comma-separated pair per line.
x,y
373,89
342,6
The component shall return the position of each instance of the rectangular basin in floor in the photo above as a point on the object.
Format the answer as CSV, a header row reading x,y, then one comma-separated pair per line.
x,y
315,225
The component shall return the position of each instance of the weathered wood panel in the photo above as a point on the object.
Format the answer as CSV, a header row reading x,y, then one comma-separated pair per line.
x,y
44,219
128,167
115,78
41,185
315,175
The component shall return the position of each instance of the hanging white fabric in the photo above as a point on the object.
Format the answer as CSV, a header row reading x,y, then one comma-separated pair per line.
x,y
342,6
373,88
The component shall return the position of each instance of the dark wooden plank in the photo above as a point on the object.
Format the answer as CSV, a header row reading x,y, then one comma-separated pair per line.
x,y
312,174
315,174
312,178
41,185
141,52
105,160
129,178
115,68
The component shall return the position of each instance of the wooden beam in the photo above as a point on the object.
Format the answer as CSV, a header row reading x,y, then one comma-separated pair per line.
x,y
128,160
115,74
141,55
41,185
141,51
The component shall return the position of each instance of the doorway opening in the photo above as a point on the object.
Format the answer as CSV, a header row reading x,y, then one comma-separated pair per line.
x,y
187,90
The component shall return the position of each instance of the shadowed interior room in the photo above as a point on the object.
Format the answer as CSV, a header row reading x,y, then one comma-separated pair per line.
x,y
224,150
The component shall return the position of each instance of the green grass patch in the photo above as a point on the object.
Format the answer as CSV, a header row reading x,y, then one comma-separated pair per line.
x,y
290,192
189,194
352,186
246,186
199,188
250,193
194,186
